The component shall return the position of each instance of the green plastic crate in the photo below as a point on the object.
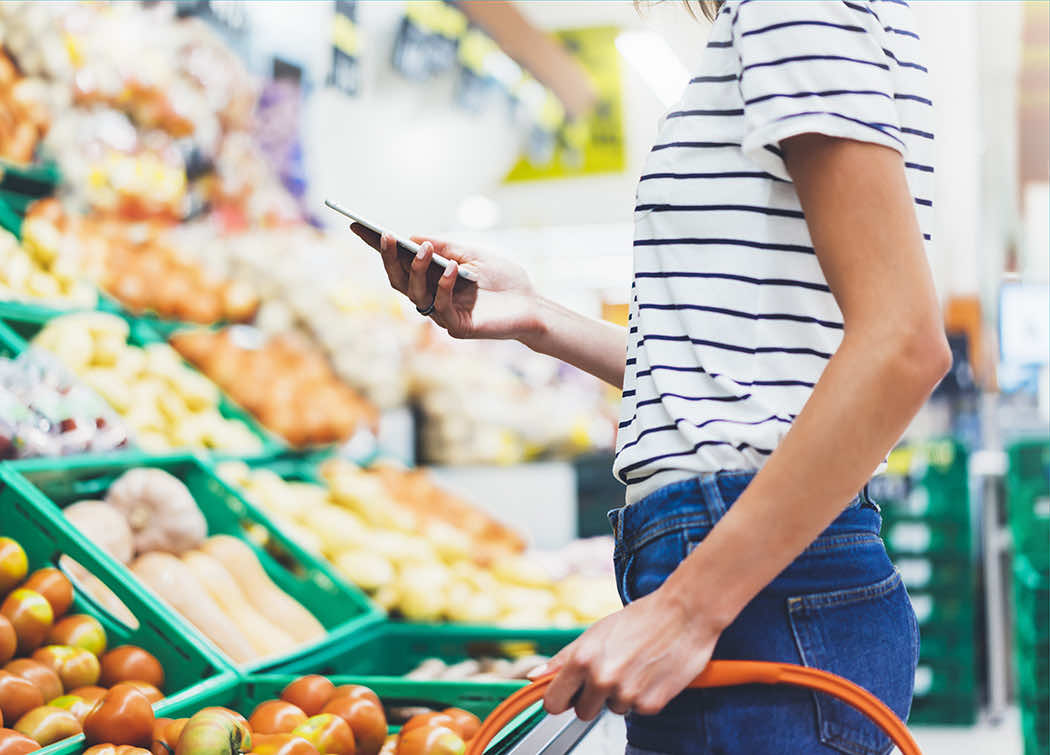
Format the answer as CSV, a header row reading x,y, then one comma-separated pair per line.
x,y
927,535
343,610
1035,729
17,329
1031,602
949,709
936,609
1028,499
35,179
396,648
191,667
936,573
478,698
953,643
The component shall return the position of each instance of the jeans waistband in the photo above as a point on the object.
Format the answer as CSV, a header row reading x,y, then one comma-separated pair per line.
x,y
704,500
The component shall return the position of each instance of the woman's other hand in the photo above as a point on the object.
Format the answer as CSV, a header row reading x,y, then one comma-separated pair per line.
x,y
636,659
501,304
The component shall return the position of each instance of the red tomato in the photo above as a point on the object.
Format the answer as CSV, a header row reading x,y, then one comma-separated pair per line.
x,y
37,674
128,663
276,717
430,740
466,723
18,696
16,743
309,693
124,716
330,734
366,719
54,586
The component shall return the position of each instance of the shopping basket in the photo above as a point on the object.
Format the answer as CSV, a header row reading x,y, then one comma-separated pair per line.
x,y
728,674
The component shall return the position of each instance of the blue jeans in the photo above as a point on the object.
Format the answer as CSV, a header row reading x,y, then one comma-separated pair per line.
x,y
840,606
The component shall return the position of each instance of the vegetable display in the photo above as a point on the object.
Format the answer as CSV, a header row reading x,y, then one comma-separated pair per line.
x,y
311,717
284,381
46,411
33,273
23,117
58,677
165,403
422,553
151,522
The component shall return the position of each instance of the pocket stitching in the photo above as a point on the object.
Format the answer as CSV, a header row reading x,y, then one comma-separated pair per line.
x,y
846,596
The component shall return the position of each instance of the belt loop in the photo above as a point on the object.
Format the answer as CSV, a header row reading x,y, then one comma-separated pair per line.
x,y
712,496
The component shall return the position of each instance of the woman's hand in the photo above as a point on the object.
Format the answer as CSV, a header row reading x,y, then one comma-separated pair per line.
x,y
637,659
501,304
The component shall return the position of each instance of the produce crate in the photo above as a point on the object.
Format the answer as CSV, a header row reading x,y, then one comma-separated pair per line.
x,y
478,698
926,535
395,648
17,328
191,667
1032,649
35,179
1028,499
928,480
936,573
945,709
54,483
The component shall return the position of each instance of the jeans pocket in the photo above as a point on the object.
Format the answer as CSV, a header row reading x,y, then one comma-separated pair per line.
x,y
639,571
867,635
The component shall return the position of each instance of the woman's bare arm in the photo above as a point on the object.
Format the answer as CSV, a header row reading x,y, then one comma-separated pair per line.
x,y
893,353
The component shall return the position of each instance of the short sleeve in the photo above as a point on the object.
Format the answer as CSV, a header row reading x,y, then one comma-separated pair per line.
x,y
812,67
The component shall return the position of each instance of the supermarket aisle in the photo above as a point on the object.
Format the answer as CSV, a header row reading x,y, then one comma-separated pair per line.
x,y
984,739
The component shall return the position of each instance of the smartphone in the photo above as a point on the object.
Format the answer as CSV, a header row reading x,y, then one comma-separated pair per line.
x,y
404,245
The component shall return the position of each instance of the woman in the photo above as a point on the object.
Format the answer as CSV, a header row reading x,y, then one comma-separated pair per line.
x,y
783,331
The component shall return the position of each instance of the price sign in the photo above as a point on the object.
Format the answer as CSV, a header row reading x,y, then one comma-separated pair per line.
x,y
345,74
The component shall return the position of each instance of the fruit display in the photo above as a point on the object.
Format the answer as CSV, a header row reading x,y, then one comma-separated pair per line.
x,y
57,667
310,716
150,522
482,669
136,263
165,403
36,274
286,383
521,407
46,411
326,288
24,118
446,563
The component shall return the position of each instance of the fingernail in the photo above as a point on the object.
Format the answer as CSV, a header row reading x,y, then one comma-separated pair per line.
x,y
450,271
538,671
421,253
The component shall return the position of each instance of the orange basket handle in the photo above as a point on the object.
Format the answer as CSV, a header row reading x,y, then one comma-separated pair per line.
x,y
728,674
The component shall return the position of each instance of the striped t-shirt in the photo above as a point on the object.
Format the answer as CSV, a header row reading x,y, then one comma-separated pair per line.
x,y
731,319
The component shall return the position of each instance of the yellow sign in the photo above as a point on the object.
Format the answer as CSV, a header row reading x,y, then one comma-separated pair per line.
x,y
595,144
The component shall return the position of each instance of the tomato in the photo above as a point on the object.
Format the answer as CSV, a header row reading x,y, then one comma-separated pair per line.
x,y
129,663
8,640
80,631
75,667
90,693
31,616
16,743
18,696
240,720
356,691
281,744
276,717
390,745
430,740
309,693
109,749
466,723
366,719
46,725
54,586
37,674
428,719
76,705
330,734
13,564
166,733
216,732
124,717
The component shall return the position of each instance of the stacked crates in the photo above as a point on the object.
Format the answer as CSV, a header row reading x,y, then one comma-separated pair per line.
x,y
1028,507
928,531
